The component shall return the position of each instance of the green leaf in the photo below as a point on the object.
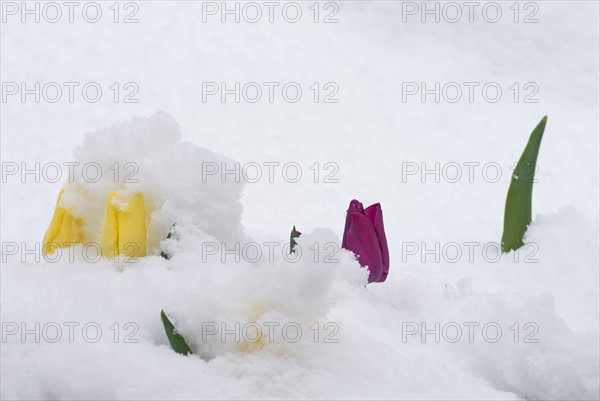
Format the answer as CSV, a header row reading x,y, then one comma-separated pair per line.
x,y
517,212
295,234
175,339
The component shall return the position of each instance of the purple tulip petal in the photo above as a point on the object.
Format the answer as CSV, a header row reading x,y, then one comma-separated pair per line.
x,y
375,216
362,240
371,212
355,207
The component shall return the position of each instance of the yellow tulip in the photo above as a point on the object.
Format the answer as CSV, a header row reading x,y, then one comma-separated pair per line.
x,y
123,231
64,229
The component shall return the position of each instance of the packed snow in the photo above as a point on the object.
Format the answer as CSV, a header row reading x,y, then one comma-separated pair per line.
x,y
522,325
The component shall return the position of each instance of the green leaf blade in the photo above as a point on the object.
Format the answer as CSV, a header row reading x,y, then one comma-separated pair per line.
x,y
175,339
294,234
517,211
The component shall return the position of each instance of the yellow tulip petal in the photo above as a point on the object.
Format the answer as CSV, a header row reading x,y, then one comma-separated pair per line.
x,y
63,231
109,233
132,228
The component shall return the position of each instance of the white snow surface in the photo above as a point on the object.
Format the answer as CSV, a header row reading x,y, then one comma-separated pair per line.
x,y
551,289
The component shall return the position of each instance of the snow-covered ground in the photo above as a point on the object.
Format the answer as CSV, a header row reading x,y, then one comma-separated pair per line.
x,y
529,321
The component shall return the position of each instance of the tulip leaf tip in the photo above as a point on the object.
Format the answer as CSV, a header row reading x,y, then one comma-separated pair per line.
x,y
517,211
175,339
294,234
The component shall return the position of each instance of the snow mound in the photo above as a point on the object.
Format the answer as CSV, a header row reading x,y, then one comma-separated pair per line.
x,y
147,155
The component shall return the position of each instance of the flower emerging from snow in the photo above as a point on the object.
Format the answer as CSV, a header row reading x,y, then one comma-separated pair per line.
x,y
364,235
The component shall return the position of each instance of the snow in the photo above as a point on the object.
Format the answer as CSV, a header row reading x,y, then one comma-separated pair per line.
x,y
167,171
550,290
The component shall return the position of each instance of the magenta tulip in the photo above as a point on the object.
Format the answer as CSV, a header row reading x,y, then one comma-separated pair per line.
x,y
364,235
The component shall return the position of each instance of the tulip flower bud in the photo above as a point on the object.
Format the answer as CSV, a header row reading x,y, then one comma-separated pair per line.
x,y
365,236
